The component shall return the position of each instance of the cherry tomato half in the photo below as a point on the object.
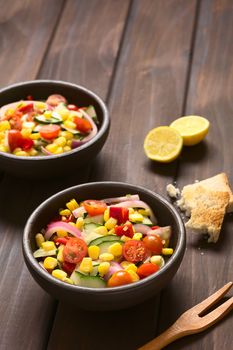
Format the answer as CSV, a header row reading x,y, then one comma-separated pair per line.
x,y
119,278
49,132
153,243
82,125
147,269
68,267
74,250
94,207
134,251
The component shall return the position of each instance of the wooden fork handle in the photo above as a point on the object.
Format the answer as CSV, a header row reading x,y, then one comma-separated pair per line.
x,y
171,334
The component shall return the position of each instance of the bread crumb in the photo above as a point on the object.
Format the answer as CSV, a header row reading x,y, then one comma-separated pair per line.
x,y
173,191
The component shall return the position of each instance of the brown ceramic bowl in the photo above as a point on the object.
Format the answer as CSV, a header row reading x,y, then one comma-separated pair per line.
x,y
62,164
104,298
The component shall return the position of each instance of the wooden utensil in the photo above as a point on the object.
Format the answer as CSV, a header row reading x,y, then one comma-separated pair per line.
x,y
191,321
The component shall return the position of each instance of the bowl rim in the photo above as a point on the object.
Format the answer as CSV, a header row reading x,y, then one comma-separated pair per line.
x,y
179,251
101,131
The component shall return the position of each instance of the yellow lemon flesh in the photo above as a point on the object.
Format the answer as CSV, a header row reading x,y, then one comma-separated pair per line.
x,y
163,144
192,128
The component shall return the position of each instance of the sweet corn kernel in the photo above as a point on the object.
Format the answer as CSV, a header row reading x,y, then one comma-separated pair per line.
x,y
10,111
68,280
111,232
125,264
62,233
59,150
50,263
40,105
60,253
103,268
68,135
134,276
26,132
64,113
131,211
137,236
52,147
131,267
3,148
5,125
106,214
35,136
72,224
106,256
65,212
167,251
136,217
69,143
93,252
86,265
33,152
39,240
157,260
101,230
48,245
144,212
79,223
69,124
2,135
21,154
60,141
72,205
110,223
125,238
66,148
48,114
115,249
59,274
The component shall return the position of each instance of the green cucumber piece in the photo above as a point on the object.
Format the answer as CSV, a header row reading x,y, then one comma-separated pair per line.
x,y
102,239
87,281
105,245
41,253
90,110
147,221
41,119
98,219
89,233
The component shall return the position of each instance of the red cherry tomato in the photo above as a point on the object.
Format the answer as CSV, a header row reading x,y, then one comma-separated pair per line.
x,y
119,278
68,267
121,214
147,269
72,107
153,243
124,230
82,125
54,100
134,251
49,132
94,207
74,250
14,139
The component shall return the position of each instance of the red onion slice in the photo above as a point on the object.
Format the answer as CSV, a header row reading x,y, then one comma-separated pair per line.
x,y
114,267
144,229
76,144
79,212
137,204
133,197
61,225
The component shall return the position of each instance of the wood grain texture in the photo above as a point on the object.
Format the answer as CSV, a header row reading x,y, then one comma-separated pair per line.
x,y
145,80
86,43
25,30
206,267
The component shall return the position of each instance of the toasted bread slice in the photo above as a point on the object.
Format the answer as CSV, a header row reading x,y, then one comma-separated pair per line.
x,y
216,183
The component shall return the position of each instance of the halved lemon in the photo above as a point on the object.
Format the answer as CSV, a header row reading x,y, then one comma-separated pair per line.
x,y
163,144
192,128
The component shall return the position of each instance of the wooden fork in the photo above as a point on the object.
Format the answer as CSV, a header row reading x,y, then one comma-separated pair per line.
x,y
191,322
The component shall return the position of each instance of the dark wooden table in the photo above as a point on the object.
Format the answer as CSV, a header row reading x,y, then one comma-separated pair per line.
x,y
151,61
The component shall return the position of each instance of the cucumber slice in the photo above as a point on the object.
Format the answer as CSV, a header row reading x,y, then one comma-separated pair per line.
x,y
90,110
102,239
87,281
147,221
98,219
41,253
105,245
41,119
89,233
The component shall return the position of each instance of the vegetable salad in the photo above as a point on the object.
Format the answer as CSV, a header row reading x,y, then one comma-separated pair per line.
x,y
103,243
37,128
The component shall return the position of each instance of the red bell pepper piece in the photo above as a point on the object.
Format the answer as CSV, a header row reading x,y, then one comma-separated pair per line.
x,y
61,240
120,214
125,230
26,143
155,227
26,108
